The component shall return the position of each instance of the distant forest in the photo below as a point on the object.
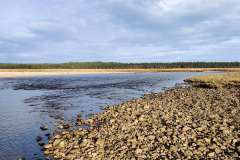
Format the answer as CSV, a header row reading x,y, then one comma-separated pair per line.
x,y
115,65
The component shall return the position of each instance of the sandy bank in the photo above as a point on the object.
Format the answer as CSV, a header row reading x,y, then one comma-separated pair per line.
x,y
8,73
12,73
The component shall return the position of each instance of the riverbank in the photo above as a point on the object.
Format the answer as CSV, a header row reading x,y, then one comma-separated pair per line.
x,y
216,80
188,122
12,73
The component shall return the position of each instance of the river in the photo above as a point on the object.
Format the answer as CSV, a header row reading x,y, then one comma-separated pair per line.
x,y
28,103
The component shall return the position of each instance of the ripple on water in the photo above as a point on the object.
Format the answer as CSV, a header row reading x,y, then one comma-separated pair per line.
x,y
27,103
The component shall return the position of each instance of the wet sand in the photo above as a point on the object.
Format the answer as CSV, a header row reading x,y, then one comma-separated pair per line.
x,y
12,73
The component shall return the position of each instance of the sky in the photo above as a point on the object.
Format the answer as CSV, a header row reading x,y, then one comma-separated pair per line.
x,y
55,31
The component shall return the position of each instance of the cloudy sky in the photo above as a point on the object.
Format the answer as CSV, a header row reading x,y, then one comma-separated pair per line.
x,y
119,30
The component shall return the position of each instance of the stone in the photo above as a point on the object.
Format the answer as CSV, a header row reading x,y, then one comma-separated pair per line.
x,y
47,134
138,151
152,137
186,128
47,146
41,144
207,140
38,138
44,127
56,142
211,155
62,144
64,126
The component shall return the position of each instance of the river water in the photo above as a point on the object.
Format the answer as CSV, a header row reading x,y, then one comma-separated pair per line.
x,y
28,103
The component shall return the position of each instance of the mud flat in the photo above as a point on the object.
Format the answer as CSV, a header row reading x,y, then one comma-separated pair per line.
x,y
187,122
12,73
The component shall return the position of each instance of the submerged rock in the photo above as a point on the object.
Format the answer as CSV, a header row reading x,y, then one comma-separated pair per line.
x,y
38,138
44,127
64,126
41,144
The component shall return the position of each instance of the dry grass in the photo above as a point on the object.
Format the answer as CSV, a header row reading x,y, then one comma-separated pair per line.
x,y
216,80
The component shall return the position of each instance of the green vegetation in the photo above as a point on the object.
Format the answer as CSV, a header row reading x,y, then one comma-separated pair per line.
x,y
115,65
216,80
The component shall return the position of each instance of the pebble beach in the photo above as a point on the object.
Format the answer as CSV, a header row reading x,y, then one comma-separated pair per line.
x,y
186,122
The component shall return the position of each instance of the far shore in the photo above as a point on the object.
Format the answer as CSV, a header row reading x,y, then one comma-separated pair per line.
x,y
13,73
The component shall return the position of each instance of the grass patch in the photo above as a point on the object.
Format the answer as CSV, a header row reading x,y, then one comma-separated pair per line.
x,y
216,80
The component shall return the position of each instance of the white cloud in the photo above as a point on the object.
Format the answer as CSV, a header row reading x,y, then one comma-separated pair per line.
x,y
119,30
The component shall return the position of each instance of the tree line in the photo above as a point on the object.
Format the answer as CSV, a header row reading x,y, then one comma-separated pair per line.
x,y
116,65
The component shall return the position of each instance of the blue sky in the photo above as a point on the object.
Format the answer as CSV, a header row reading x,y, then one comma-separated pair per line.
x,y
53,31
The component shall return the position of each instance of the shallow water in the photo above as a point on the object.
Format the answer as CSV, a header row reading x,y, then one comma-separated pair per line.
x,y
27,103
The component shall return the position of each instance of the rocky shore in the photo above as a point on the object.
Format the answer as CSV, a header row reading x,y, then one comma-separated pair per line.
x,y
185,122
